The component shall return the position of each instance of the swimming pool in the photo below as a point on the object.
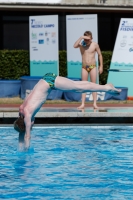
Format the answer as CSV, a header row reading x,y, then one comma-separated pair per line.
x,y
68,163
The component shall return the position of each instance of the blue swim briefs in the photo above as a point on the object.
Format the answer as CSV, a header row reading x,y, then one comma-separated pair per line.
x,y
50,79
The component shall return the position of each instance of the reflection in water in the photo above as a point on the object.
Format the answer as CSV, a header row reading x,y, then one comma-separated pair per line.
x,y
86,110
104,110
21,141
89,109
23,164
68,163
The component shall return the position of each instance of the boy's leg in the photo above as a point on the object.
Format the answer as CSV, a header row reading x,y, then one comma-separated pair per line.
x,y
65,84
84,78
93,77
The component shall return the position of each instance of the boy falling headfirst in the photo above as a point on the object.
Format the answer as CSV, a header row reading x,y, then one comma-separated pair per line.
x,y
38,96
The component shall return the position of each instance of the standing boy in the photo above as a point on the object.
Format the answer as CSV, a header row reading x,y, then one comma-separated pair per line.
x,y
88,48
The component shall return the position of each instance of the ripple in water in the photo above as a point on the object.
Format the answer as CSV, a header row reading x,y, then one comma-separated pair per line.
x,y
67,163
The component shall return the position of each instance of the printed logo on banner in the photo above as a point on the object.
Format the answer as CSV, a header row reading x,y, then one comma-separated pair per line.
x,y
126,26
124,36
53,41
36,24
53,34
41,41
123,43
46,33
34,49
76,18
47,40
34,36
41,34
131,49
34,41
49,25
131,44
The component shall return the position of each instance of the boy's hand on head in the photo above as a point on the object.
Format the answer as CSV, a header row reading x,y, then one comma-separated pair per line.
x,y
86,37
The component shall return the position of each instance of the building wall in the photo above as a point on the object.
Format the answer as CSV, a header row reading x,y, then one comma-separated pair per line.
x,y
14,32
71,2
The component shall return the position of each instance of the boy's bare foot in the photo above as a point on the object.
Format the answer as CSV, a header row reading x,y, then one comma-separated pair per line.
x,y
95,106
112,89
81,107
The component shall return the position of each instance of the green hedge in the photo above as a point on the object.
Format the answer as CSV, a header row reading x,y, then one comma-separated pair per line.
x,y
107,55
62,63
15,63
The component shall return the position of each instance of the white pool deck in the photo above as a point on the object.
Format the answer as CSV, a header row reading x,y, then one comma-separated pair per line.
x,y
65,112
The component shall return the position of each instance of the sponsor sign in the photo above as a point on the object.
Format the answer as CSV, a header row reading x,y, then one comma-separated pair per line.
x,y
122,58
43,45
76,25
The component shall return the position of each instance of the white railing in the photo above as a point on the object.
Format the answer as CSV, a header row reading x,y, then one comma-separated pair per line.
x,y
119,2
77,2
31,1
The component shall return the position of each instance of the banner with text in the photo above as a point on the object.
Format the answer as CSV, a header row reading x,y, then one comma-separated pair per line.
x,y
76,25
122,58
43,32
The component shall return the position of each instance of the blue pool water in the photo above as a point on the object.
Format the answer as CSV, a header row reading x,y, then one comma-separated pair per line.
x,y
72,163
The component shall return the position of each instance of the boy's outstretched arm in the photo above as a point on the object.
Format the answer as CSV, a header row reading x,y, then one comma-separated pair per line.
x,y
28,124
